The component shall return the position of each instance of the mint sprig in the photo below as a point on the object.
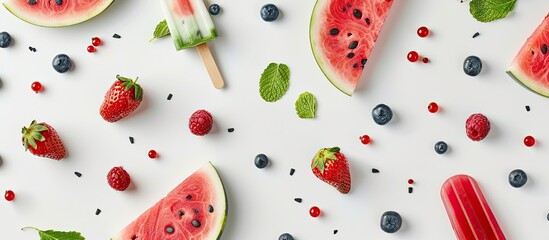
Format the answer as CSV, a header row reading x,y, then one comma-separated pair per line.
x,y
305,106
161,30
490,10
56,235
274,82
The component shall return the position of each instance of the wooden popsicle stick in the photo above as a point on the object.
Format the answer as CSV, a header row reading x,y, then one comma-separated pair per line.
x,y
210,64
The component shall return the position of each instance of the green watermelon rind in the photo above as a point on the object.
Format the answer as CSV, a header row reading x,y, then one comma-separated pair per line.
x,y
530,84
13,10
323,65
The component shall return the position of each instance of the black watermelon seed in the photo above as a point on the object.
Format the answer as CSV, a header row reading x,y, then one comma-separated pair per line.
x,y
349,34
335,231
230,130
334,31
32,2
357,13
170,229
476,34
32,49
210,209
59,2
363,61
344,9
78,174
351,55
195,211
527,108
299,200
134,237
532,52
180,213
195,223
353,44
374,170
410,189
362,67
170,96
368,21
189,197
97,211
131,140
116,36
355,65
544,49
292,171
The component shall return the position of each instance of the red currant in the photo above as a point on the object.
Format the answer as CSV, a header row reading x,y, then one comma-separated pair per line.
x,y
36,87
365,139
91,49
413,56
153,154
314,211
425,60
433,107
423,31
96,41
529,141
410,181
9,195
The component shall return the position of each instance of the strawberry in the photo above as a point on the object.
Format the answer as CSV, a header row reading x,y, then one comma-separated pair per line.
x,y
121,100
42,140
331,166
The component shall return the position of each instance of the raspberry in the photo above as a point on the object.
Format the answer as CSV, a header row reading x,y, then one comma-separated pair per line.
x,y
118,178
200,122
477,127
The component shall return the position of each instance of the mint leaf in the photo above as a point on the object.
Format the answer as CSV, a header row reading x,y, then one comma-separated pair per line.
x,y
161,30
56,235
274,82
490,10
305,106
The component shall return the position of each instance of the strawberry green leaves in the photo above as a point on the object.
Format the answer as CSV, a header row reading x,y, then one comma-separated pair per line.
x,y
33,134
274,82
161,30
305,106
322,156
56,235
128,83
490,10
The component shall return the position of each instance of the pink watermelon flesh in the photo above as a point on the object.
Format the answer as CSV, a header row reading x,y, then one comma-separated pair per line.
x,y
48,13
531,65
196,209
342,35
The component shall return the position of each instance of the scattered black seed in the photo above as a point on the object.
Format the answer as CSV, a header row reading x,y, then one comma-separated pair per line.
x,y
299,200
32,2
410,189
362,67
476,35
230,130
210,209
334,31
527,108
349,34
335,231
292,171
351,55
363,61
116,36
131,140
355,65
548,216
170,96
189,197
195,211
353,44
532,52
344,9
134,237
97,211
544,49
368,21
170,229
59,2
195,223
32,49
78,174
357,13
374,170
180,213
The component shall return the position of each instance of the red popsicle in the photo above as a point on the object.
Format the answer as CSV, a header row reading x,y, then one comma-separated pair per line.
x,y
469,213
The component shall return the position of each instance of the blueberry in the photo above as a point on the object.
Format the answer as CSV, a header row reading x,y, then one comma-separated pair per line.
x,y
517,178
286,236
214,9
269,12
261,161
390,222
61,63
5,39
472,66
382,114
441,147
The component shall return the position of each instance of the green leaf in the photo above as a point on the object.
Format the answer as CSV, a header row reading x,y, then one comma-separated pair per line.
x,y
57,235
305,106
490,10
161,30
274,82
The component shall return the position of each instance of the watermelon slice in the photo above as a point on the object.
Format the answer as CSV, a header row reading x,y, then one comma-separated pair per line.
x,y
342,35
196,209
531,65
58,13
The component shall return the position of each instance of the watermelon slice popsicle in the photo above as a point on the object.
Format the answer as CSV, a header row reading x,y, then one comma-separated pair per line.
x,y
468,210
190,25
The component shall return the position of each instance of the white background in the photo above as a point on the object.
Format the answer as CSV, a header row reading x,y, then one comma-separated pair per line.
x,y
261,204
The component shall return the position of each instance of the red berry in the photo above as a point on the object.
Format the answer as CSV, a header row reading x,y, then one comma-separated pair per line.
x,y
477,127
96,41
153,154
365,139
425,60
433,107
423,31
410,181
91,49
201,122
413,56
118,178
36,87
314,211
9,195
529,141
